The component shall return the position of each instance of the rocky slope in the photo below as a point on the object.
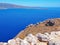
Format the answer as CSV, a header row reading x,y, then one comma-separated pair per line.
x,y
42,27
52,38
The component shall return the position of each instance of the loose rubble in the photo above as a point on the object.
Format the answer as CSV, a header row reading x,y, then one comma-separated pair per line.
x,y
52,38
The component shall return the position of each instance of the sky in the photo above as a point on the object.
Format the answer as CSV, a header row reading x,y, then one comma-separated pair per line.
x,y
34,3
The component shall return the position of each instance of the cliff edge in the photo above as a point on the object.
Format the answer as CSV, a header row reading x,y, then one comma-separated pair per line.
x,y
41,27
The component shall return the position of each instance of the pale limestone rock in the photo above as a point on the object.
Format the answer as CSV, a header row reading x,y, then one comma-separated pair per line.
x,y
31,38
51,43
18,41
12,42
42,36
42,43
30,25
1,43
58,32
47,34
53,38
24,42
5,43
57,43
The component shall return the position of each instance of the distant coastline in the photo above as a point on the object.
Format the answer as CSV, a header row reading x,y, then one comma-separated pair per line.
x,y
13,6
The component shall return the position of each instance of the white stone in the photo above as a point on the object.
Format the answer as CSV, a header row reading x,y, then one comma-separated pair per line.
x,y
51,42
31,38
58,32
24,42
57,43
30,25
42,36
41,43
47,34
12,42
53,38
1,43
18,41
53,33
5,43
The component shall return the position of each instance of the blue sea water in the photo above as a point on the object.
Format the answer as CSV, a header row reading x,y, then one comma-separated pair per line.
x,y
12,21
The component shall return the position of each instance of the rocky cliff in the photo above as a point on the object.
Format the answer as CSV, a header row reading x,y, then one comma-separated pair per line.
x,y
41,27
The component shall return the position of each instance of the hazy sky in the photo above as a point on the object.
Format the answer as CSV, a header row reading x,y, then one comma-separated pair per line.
x,y
39,3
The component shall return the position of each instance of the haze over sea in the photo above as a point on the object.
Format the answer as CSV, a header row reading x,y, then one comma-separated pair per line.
x,y
12,21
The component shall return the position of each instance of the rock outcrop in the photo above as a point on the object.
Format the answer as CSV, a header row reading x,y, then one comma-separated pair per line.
x,y
52,38
42,27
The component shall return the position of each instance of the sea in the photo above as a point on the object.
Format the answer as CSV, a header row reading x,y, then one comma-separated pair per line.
x,y
12,21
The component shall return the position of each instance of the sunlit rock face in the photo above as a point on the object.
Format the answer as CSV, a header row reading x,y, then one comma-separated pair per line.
x,y
52,38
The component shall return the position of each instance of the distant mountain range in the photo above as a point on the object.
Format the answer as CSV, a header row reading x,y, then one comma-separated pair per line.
x,y
8,6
